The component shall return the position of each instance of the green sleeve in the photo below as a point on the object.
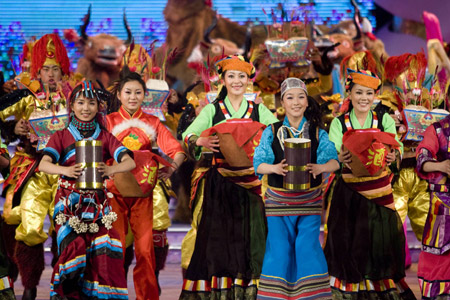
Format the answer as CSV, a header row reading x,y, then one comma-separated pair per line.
x,y
2,145
389,126
265,115
335,135
202,122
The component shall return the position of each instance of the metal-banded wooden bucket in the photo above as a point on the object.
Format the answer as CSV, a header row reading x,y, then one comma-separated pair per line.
x,y
89,153
297,152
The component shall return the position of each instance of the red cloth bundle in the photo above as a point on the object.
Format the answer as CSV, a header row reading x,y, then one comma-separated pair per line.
x,y
140,181
369,148
238,139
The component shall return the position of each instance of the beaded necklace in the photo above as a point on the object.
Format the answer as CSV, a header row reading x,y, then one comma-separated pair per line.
x,y
84,125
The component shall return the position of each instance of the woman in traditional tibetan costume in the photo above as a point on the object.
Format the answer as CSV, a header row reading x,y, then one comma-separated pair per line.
x,y
433,164
294,264
90,262
229,227
365,246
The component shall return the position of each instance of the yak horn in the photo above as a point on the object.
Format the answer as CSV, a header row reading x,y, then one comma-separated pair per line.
x,y
127,28
210,29
86,21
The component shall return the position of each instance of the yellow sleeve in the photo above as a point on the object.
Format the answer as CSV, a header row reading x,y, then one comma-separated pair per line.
x,y
21,109
324,84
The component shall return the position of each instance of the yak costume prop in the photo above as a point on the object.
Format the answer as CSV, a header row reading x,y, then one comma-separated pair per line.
x,y
102,53
188,20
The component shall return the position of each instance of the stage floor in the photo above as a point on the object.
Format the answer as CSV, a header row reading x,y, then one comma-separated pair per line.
x,y
171,280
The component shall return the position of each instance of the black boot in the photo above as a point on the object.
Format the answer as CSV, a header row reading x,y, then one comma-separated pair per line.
x,y
54,249
129,255
157,281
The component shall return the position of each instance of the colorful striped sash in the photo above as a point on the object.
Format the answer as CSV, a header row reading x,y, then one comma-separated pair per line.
x,y
281,202
378,189
284,203
436,238
244,177
439,188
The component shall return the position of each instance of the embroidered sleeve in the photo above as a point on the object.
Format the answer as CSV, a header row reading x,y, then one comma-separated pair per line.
x,y
202,122
264,152
54,146
326,150
427,151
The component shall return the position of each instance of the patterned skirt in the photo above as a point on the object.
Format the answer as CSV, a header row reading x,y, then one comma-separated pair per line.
x,y
434,261
434,275
229,247
90,262
365,248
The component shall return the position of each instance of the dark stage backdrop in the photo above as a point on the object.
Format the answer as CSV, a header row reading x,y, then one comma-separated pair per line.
x,y
20,20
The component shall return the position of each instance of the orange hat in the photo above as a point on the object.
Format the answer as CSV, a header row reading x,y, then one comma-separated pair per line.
x,y
364,78
237,63
49,50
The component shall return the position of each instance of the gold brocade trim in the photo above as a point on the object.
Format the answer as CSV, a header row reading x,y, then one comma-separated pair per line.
x,y
249,185
352,179
297,145
297,168
198,173
93,143
89,185
292,186
90,164
231,173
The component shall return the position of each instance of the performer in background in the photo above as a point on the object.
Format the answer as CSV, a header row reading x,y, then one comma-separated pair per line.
x,y
6,282
228,228
433,164
90,262
29,192
294,265
365,247
138,130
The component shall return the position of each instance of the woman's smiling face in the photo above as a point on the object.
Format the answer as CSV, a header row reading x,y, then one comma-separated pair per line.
x,y
236,82
362,98
85,109
295,102
131,96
